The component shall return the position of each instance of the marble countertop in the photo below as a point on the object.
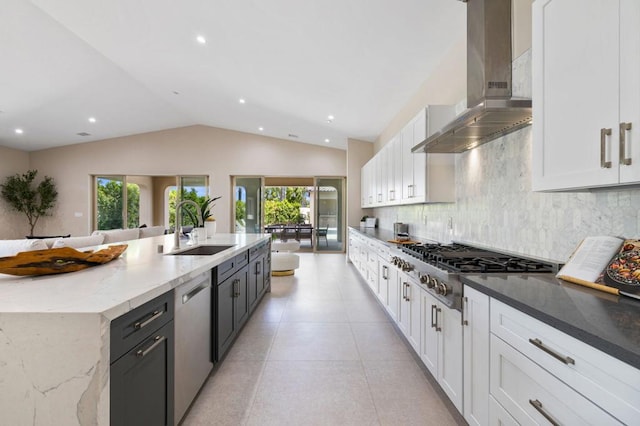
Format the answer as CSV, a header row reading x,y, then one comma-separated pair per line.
x,y
137,276
605,321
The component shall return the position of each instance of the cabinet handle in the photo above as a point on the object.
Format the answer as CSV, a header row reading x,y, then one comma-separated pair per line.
x,y
156,341
465,302
410,191
154,316
434,321
385,273
392,195
603,142
538,406
538,344
624,128
236,288
408,292
258,268
379,198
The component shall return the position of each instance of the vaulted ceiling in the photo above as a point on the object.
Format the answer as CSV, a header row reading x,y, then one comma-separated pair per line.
x,y
137,66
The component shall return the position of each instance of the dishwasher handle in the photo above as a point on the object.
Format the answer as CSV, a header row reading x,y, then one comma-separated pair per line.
x,y
193,292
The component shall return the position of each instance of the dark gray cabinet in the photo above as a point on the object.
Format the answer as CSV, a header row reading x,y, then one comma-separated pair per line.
x,y
259,272
231,302
241,282
142,364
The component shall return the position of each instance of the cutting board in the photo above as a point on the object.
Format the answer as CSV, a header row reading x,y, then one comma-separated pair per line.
x,y
403,242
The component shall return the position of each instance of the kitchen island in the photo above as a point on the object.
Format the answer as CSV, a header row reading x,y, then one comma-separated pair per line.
x,y
55,330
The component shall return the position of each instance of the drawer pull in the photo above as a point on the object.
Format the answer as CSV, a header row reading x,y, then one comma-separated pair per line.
x,y
538,406
438,328
565,359
156,341
154,316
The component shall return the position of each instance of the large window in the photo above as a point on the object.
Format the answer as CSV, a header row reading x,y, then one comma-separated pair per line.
x,y
117,203
131,201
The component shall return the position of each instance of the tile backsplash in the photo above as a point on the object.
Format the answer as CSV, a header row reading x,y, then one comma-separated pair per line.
x,y
496,208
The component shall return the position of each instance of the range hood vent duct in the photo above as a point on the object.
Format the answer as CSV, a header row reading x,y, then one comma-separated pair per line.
x,y
492,112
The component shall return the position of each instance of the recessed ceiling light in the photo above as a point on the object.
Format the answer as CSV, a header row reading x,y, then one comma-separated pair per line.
x,y
330,117
19,131
201,39
241,100
327,140
92,119
261,128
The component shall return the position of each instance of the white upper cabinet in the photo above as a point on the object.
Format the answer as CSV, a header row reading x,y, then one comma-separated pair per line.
x,y
586,93
395,175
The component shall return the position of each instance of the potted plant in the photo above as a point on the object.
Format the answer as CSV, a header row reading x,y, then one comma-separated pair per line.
x,y
18,191
206,215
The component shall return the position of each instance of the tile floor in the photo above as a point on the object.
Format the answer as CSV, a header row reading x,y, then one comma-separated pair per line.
x,y
320,350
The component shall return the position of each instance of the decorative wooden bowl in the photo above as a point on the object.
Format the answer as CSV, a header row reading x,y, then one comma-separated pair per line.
x,y
57,260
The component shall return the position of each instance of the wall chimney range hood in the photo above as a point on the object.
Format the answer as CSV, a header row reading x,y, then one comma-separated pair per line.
x,y
492,112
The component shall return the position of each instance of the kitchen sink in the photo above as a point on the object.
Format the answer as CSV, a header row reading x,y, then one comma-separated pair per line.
x,y
204,250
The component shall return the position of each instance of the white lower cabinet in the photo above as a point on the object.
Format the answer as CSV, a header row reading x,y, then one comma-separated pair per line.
x,y
409,314
441,346
498,416
393,294
475,330
574,382
534,396
383,281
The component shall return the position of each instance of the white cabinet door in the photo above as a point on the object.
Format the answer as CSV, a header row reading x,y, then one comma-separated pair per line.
x,y
393,294
475,312
429,347
575,92
406,137
383,280
415,300
450,357
404,313
409,313
396,186
630,90
441,346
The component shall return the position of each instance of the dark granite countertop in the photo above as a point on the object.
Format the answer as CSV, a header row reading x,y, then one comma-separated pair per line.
x,y
384,235
605,321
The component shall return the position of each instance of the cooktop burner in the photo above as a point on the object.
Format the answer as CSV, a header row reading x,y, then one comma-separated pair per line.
x,y
462,258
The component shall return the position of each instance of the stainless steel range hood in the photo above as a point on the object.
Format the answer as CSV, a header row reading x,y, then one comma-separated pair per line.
x,y
492,112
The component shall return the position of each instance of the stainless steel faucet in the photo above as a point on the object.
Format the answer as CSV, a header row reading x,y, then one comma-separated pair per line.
x,y
176,232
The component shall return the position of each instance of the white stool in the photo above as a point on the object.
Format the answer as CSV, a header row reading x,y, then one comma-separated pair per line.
x,y
283,264
285,246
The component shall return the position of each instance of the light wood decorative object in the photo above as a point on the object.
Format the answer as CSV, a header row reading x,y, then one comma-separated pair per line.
x,y
57,260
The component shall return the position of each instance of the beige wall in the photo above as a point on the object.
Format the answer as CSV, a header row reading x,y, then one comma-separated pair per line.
x,y
13,224
196,150
358,153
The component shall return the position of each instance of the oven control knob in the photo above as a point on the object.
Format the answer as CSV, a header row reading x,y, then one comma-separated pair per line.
x,y
425,278
407,267
442,289
433,282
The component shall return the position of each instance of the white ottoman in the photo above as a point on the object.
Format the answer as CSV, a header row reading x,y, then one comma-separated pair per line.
x,y
285,246
283,264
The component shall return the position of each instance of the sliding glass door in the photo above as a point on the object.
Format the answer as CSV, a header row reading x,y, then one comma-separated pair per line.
x,y
248,204
329,217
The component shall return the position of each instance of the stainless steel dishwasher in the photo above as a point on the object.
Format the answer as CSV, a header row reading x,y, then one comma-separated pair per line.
x,y
192,341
